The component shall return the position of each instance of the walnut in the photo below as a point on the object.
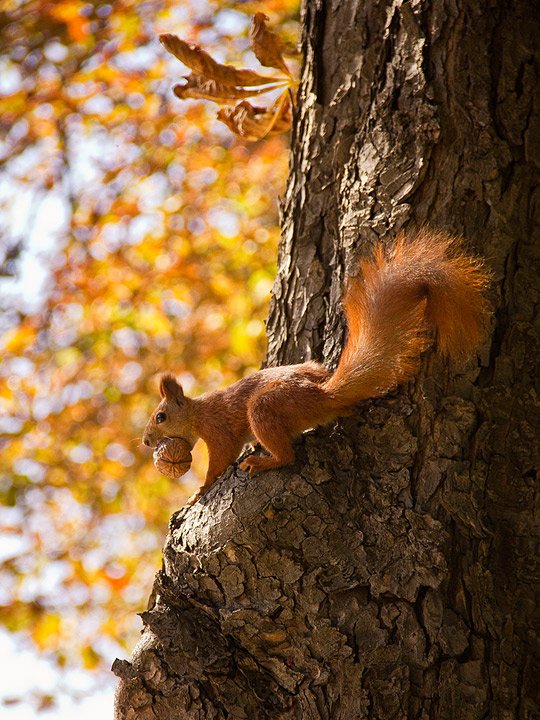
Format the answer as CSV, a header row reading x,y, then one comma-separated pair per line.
x,y
172,457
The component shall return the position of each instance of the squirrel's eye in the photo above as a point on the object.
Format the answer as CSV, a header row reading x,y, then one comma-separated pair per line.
x,y
160,417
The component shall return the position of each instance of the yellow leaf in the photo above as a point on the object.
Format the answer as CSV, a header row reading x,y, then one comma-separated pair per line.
x,y
17,340
47,631
90,657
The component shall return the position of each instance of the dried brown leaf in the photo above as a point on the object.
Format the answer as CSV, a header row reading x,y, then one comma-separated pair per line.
x,y
254,123
204,65
266,44
201,88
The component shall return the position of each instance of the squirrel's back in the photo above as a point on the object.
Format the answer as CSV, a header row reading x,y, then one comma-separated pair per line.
x,y
420,291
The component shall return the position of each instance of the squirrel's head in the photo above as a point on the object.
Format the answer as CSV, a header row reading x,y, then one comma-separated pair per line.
x,y
173,415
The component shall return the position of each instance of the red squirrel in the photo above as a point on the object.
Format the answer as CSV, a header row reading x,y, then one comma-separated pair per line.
x,y
421,291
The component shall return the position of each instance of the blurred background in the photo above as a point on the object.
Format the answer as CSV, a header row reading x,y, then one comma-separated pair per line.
x,y
137,234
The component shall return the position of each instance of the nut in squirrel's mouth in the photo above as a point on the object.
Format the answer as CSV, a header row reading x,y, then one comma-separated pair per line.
x,y
172,457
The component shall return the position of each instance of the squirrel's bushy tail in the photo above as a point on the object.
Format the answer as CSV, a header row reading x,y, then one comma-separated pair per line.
x,y
423,290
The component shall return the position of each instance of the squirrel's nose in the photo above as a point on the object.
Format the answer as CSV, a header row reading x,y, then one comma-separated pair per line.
x,y
146,441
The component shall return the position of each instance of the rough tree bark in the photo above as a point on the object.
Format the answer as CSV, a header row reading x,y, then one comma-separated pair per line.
x,y
391,572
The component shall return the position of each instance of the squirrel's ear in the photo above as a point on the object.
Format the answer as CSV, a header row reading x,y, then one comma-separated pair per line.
x,y
169,388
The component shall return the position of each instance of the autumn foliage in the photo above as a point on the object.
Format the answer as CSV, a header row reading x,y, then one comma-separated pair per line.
x,y
228,85
139,235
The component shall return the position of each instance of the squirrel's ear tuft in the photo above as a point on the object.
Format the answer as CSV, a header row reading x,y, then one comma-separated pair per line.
x,y
169,388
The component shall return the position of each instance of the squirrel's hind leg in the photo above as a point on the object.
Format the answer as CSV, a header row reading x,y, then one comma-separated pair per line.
x,y
267,426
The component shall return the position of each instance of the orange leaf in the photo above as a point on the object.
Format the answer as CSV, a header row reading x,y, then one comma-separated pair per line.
x,y
266,44
202,64
78,26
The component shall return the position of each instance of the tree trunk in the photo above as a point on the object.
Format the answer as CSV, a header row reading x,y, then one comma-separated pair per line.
x,y
391,572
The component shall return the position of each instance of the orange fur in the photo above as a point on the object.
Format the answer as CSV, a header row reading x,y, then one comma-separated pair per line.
x,y
421,291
